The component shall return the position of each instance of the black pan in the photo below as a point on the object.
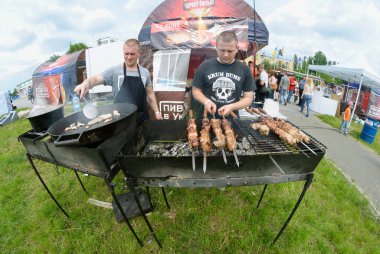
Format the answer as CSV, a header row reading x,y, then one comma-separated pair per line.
x,y
42,118
97,132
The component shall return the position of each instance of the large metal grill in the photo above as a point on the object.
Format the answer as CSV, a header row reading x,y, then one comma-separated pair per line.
x,y
270,160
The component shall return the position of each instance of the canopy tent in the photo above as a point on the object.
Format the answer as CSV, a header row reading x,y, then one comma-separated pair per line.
x,y
54,82
179,35
5,103
194,24
355,69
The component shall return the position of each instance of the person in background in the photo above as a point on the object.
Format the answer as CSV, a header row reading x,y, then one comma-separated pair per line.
x,y
272,84
284,86
346,115
278,76
292,87
263,89
300,89
130,82
307,94
296,92
219,82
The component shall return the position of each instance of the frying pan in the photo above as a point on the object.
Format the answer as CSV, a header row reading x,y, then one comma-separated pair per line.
x,y
96,133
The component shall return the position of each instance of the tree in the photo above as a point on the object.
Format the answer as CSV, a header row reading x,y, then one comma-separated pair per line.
x,y
295,61
76,47
53,58
320,58
14,93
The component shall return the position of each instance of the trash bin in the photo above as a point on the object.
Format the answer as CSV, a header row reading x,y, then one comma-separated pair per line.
x,y
369,130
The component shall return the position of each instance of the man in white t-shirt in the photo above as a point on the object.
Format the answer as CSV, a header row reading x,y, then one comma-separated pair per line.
x,y
262,90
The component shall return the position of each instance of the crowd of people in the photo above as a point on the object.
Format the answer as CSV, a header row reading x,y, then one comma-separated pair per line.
x,y
283,87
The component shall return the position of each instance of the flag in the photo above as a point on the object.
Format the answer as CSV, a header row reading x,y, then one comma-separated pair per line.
x,y
281,52
274,52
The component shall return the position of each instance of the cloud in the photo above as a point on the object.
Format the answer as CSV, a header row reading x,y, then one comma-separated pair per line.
x,y
17,39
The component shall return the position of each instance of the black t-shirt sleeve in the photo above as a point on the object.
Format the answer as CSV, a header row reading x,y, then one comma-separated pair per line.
x,y
249,84
198,81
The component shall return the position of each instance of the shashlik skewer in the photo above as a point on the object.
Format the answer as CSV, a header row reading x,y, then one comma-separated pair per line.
x,y
192,135
204,140
231,139
220,142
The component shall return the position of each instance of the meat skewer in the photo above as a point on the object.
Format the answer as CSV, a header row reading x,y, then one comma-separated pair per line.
x,y
230,136
220,142
192,135
205,139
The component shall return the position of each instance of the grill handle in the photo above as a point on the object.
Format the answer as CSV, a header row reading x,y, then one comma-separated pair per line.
x,y
73,139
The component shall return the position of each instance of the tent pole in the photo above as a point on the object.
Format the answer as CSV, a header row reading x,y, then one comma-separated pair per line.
x,y
356,101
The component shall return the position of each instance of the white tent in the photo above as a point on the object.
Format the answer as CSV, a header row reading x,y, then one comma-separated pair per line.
x,y
355,69
5,103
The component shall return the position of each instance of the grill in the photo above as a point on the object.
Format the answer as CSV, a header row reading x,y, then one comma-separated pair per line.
x,y
267,160
263,160
97,160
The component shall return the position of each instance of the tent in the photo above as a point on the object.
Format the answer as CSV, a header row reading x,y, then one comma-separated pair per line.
x,y
54,82
353,70
179,35
5,103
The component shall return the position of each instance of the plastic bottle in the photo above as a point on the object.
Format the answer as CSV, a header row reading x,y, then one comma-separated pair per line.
x,y
76,103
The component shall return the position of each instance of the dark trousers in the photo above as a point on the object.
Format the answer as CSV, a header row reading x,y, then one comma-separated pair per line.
x,y
300,91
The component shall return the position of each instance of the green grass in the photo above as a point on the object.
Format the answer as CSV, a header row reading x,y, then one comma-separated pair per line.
x,y
354,131
333,218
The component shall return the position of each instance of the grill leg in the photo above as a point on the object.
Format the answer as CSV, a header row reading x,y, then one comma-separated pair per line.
x,y
309,180
111,189
262,195
76,173
43,183
150,198
166,200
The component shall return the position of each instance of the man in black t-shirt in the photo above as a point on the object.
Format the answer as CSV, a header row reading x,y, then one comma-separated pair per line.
x,y
224,84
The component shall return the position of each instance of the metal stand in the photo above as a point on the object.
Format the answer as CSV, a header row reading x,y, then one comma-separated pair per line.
x,y
111,189
133,190
166,201
76,173
148,193
262,195
43,183
309,180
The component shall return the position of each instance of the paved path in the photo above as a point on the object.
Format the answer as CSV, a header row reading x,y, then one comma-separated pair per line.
x,y
358,162
22,103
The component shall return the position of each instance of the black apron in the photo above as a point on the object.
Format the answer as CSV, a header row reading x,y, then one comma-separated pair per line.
x,y
133,91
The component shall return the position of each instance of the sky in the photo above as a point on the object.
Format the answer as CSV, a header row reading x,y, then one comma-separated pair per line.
x,y
32,31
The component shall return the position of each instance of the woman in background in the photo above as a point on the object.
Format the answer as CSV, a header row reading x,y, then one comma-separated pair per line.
x,y
307,95
272,85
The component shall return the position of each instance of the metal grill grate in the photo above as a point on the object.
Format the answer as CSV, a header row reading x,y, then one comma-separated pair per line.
x,y
272,144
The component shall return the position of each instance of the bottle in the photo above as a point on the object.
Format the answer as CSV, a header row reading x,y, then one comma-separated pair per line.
x,y
76,103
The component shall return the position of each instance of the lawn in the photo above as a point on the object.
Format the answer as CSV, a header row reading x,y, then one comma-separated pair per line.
x,y
333,218
354,131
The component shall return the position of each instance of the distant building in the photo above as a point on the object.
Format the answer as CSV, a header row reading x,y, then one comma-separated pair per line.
x,y
105,40
281,62
23,88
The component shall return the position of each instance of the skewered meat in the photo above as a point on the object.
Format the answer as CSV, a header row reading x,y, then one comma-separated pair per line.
x,y
286,131
220,141
230,135
205,135
264,130
254,126
192,134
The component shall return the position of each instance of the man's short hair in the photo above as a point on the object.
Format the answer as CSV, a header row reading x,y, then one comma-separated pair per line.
x,y
133,42
227,36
